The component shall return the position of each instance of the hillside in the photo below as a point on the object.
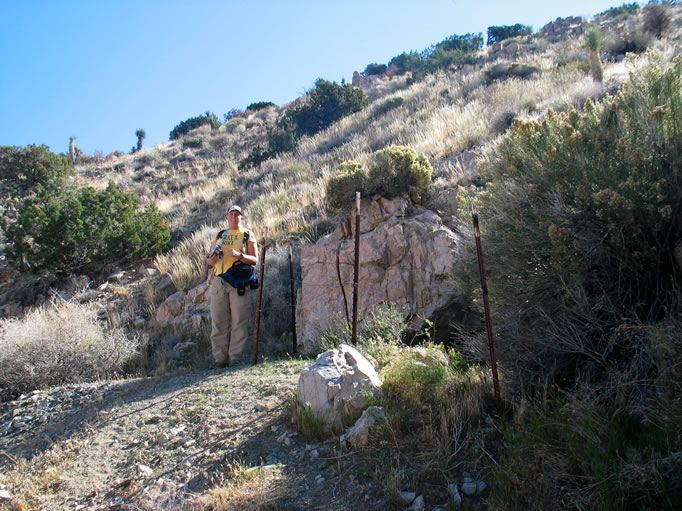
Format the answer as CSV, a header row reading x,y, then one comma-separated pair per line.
x,y
569,433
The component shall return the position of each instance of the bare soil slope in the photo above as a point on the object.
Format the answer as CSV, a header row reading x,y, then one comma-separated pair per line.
x,y
201,440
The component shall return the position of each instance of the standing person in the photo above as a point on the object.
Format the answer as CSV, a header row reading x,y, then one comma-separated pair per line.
x,y
230,311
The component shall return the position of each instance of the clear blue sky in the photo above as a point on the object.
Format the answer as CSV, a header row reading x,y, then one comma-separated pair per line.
x,y
101,69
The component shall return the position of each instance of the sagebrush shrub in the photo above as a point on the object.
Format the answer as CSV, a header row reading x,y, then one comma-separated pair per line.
x,y
580,222
394,171
61,342
397,170
341,188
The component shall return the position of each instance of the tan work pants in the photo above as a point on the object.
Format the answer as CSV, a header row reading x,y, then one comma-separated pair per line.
x,y
229,322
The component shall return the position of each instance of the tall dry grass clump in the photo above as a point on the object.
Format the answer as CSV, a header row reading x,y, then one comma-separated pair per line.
x,y
185,264
61,342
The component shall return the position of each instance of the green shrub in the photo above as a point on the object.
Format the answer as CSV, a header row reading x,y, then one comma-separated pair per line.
x,y
657,19
257,156
379,334
504,71
417,375
452,51
192,143
325,104
502,32
580,223
627,9
233,113
26,167
260,105
195,122
341,188
374,69
397,170
466,43
83,230
406,61
605,458
281,139
386,106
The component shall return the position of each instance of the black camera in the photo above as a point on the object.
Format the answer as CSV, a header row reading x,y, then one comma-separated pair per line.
x,y
217,250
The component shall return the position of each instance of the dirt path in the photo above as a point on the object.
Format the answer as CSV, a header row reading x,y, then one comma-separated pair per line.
x,y
201,440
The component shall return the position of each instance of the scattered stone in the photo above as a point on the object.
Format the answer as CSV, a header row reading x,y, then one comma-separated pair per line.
x,y
337,384
418,504
118,276
469,488
164,284
453,491
407,497
5,495
358,436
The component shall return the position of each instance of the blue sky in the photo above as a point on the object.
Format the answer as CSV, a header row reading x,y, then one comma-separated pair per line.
x,y
101,69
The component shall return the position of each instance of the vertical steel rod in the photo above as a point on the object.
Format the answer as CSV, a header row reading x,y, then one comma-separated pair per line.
x,y
486,307
354,337
260,297
293,297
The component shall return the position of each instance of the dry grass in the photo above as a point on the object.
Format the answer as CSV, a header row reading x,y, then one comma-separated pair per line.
x,y
58,343
186,263
31,482
247,488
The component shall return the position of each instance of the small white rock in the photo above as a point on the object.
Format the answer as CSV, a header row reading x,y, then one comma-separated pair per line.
x,y
453,490
469,488
408,497
418,504
4,495
145,470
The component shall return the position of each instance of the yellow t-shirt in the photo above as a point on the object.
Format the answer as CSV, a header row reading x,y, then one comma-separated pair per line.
x,y
230,239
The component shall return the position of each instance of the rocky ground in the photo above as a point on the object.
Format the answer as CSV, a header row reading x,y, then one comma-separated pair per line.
x,y
214,439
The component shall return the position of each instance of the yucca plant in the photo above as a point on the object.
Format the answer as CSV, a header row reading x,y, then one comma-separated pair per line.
x,y
593,40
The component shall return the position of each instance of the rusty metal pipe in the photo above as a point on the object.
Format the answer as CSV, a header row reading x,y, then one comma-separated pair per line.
x,y
354,337
260,297
293,298
486,306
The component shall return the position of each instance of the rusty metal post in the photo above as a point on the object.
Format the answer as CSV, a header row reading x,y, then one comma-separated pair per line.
x,y
354,337
260,297
293,298
486,307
